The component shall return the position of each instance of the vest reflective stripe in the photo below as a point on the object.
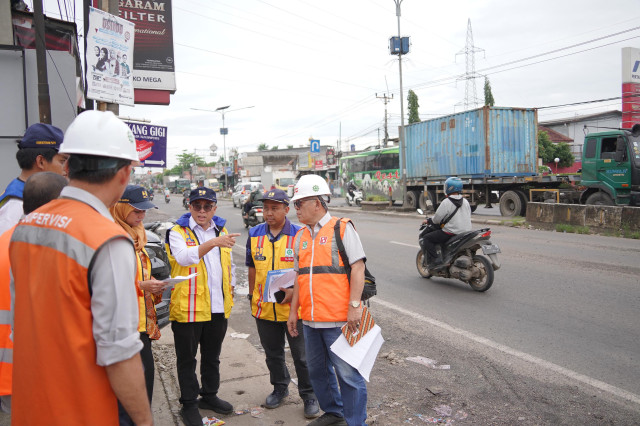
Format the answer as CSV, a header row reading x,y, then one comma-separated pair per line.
x,y
141,276
325,296
56,240
268,256
193,291
53,322
5,317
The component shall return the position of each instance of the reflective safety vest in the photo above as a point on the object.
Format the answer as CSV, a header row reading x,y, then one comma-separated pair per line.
x,y
55,370
190,300
269,256
6,344
322,278
142,276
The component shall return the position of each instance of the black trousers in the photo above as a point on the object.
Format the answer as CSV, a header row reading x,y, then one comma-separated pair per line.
x,y
187,336
147,363
272,335
432,240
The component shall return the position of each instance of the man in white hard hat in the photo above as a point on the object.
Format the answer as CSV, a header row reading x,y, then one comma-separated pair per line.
x,y
76,343
328,293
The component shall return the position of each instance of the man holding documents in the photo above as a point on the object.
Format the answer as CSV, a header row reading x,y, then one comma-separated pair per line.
x,y
328,298
200,244
270,261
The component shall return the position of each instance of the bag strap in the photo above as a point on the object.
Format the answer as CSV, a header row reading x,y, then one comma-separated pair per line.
x,y
341,250
448,218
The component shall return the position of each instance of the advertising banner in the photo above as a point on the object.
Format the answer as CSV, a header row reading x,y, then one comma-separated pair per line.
x,y
630,65
630,87
153,66
151,143
109,55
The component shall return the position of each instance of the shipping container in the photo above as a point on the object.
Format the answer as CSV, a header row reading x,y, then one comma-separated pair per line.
x,y
481,143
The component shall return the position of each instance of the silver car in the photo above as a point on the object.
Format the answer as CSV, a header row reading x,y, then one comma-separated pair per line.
x,y
242,190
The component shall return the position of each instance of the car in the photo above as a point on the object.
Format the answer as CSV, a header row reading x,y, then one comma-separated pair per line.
x,y
160,270
242,190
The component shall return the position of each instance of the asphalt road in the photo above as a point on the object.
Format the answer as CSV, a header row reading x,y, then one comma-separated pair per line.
x,y
558,329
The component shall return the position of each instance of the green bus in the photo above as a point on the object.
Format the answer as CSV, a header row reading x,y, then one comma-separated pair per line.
x,y
376,172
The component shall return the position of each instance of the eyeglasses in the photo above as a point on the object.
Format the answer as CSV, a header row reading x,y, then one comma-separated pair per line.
x,y
298,203
206,207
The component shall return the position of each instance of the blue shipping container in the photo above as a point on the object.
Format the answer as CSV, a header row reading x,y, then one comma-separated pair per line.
x,y
485,142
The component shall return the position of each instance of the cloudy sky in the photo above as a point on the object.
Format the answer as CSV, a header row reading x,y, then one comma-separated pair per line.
x,y
314,68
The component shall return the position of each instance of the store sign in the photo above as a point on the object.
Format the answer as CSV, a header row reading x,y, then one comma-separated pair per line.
x,y
151,143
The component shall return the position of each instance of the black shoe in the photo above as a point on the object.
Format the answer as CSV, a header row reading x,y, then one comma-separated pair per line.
x,y
328,419
311,408
190,415
216,404
275,398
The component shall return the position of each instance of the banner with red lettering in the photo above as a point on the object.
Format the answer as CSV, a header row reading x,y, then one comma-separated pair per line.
x,y
109,58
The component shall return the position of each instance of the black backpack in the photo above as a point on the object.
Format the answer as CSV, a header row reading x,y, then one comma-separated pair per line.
x,y
370,288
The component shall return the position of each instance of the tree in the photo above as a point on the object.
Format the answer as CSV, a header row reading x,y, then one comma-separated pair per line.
x,y
289,146
274,148
563,152
263,147
549,151
413,106
488,96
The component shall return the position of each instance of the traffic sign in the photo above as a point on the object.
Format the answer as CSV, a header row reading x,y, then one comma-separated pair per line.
x,y
315,145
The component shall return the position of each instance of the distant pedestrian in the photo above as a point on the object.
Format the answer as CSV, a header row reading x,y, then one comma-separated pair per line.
x,y
74,271
270,248
37,152
39,189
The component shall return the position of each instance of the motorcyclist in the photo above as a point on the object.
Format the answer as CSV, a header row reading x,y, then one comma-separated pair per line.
x,y
453,216
351,186
248,205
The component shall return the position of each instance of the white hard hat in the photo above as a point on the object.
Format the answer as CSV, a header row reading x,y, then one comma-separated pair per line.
x,y
309,186
99,133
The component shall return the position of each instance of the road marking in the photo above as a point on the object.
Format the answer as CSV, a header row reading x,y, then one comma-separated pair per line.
x,y
404,244
598,384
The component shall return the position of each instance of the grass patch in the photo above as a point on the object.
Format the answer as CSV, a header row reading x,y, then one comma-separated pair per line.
x,y
628,233
570,229
377,198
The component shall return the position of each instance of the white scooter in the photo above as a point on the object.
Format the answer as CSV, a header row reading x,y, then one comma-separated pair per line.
x,y
356,199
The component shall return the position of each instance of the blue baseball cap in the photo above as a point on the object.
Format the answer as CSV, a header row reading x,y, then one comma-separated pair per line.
x,y
137,197
277,195
202,193
42,135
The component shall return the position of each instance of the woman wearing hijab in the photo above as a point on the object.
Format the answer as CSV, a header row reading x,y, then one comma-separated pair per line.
x,y
129,213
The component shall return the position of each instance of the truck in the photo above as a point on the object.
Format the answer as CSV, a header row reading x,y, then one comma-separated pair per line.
x,y
178,186
494,150
281,179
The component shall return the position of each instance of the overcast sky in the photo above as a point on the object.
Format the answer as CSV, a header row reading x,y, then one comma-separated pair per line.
x,y
313,68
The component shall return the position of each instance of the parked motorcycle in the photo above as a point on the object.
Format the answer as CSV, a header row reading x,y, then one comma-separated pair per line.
x,y
356,199
460,260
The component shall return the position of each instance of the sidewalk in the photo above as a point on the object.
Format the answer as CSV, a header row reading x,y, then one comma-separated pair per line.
x,y
244,383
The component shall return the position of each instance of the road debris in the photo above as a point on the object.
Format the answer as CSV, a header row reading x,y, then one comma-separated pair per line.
x,y
431,363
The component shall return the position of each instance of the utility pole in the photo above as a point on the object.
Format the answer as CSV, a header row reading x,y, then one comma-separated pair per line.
x,y
44,101
403,151
386,100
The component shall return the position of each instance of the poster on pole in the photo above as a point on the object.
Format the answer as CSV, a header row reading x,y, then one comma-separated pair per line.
x,y
154,66
151,143
109,58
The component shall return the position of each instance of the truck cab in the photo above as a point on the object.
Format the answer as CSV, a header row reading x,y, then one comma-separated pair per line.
x,y
611,168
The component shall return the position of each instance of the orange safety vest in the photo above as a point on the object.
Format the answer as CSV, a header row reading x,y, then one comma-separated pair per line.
x,y
323,286
6,345
55,370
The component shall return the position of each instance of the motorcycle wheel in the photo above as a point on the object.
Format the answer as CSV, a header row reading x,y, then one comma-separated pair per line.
x,y
348,201
422,269
484,282
358,202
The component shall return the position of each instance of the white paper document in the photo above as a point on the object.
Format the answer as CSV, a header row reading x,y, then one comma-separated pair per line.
x,y
362,355
280,278
175,280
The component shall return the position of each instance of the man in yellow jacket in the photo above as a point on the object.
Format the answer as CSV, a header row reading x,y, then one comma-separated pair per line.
x,y
200,244
270,248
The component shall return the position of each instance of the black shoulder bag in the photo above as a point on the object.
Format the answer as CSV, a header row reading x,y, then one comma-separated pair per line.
x,y
369,289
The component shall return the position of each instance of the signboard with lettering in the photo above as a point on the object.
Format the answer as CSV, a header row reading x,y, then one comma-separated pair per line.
x,y
151,143
630,87
109,53
153,66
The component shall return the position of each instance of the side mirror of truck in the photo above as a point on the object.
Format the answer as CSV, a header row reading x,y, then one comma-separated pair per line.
x,y
620,150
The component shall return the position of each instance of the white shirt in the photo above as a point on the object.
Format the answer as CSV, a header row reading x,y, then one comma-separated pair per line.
x,y
10,213
186,256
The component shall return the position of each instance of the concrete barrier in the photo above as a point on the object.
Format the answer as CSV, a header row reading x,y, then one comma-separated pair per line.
x,y
595,217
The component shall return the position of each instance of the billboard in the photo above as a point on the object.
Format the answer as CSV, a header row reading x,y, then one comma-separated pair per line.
x,y
630,87
153,66
109,56
151,143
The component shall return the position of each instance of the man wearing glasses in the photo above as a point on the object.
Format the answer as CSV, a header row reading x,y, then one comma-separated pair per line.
x,y
328,293
200,244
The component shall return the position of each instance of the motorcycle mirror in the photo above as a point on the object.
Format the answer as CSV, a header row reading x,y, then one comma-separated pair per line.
x,y
420,211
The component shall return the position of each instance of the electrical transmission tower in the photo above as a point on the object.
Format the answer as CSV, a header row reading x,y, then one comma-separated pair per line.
x,y
386,131
470,95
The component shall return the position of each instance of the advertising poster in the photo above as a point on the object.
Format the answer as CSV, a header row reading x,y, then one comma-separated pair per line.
x,y
109,58
153,66
630,87
151,143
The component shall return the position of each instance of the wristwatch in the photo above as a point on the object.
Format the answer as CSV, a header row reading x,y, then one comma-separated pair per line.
x,y
249,297
355,303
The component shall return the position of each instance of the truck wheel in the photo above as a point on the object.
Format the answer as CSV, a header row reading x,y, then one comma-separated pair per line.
x,y
422,201
510,204
600,199
412,199
523,199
